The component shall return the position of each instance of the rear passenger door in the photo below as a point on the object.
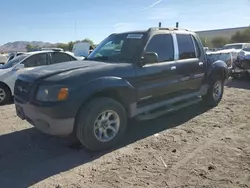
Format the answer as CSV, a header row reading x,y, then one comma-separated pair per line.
x,y
59,57
190,65
159,78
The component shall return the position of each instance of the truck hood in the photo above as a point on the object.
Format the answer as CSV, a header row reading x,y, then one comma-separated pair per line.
x,y
51,70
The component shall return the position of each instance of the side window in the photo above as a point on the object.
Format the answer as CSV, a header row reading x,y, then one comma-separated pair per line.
x,y
163,45
58,57
186,46
36,60
197,48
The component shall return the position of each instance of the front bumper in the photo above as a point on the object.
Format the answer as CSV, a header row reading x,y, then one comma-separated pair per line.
x,y
42,121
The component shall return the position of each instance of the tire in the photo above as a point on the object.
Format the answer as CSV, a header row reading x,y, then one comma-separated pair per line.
x,y
89,119
211,99
5,94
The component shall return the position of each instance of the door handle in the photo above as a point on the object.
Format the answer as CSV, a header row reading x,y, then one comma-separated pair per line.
x,y
173,68
200,63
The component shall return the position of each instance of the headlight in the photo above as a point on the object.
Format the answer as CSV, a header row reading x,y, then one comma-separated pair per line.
x,y
52,93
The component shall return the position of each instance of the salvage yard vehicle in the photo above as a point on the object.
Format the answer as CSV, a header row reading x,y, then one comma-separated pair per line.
x,y
140,74
236,46
3,59
12,55
23,62
242,63
224,55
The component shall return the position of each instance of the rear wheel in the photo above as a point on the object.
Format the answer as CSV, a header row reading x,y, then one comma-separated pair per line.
x,y
5,94
214,93
101,124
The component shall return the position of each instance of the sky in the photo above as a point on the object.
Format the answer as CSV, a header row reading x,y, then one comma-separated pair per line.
x,y
66,20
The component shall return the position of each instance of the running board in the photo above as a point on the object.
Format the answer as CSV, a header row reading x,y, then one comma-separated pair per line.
x,y
135,110
148,116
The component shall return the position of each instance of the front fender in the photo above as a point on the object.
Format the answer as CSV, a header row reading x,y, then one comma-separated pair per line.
x,y
217,68
126,90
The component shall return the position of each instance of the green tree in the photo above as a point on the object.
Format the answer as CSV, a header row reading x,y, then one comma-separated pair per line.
x,y
241,36
70,45
29,47
63,46
206,42
218,42
89,41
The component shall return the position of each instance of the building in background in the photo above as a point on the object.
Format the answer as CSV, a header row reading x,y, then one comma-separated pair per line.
x,y
226,33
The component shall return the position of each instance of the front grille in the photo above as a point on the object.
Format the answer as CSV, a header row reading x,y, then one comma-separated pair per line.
x,y
22,89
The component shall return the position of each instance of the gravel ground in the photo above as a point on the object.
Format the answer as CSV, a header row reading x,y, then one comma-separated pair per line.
x,y
194,147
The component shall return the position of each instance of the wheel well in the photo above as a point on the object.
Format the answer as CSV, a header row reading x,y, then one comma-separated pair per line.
x,y
6,86
111,93
220,74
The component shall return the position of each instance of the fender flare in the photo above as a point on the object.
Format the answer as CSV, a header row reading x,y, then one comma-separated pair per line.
x,y
125,89
217,68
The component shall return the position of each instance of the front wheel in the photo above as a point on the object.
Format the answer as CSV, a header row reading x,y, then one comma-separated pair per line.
x,y
5,94
101,124
214,93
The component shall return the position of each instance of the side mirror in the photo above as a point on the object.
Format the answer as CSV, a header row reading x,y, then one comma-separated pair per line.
x,y
18,66
149,58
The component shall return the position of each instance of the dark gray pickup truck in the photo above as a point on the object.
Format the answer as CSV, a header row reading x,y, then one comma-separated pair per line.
x,y
140,74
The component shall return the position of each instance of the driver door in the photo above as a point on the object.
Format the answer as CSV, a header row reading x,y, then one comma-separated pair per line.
x,y
160,78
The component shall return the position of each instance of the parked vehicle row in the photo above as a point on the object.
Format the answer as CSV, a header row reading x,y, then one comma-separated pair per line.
x,y
3,59
240,57
140,74
223,55
241,53
24,62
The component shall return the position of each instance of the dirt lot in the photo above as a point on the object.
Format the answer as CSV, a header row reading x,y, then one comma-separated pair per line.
x,y
194,147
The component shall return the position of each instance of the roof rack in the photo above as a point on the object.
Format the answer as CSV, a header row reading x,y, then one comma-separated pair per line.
x,y
53,49
165,28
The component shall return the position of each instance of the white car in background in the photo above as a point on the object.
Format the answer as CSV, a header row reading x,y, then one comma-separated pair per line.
x,y
3,59
12,55
236,46
27,61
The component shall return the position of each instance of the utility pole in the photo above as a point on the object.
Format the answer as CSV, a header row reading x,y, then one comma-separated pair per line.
x,y
159,24
75,30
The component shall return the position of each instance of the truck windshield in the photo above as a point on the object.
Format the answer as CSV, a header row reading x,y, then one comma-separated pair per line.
x,y
124,48
13,62
233,46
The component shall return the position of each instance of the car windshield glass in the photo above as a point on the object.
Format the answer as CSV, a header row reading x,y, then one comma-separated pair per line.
x,y
123,48
13,62
236,46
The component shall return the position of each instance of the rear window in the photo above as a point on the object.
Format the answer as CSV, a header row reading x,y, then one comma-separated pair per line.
x,y
186,46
